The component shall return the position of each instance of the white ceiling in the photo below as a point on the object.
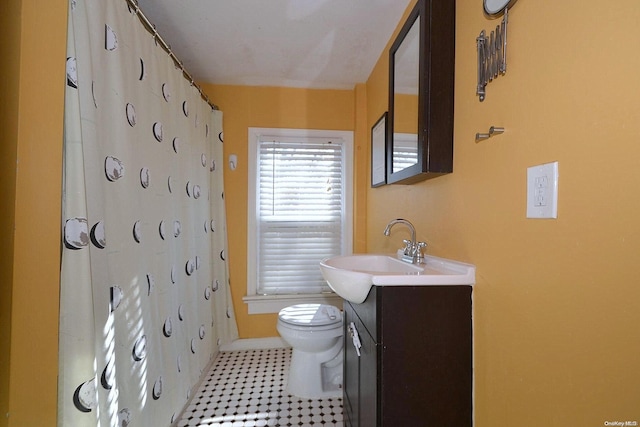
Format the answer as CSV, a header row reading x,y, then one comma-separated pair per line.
x,y
290,43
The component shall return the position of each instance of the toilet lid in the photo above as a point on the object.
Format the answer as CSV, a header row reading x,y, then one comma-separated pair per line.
x,y
311,315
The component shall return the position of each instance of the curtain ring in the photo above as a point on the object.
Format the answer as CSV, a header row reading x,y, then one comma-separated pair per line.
x,y
133,4
155,34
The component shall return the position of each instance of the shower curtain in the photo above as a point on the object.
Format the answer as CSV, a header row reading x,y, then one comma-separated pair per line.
x,y
145,298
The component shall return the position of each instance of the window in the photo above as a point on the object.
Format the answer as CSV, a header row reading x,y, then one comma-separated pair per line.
x,y
300,198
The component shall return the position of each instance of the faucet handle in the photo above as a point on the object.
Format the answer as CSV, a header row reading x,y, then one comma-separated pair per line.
x,y
418,251
408,247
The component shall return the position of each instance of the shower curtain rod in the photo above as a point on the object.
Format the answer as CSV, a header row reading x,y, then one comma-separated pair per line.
x,y
158,38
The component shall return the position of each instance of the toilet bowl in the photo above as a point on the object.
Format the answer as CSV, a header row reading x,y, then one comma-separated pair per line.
x,y
314,331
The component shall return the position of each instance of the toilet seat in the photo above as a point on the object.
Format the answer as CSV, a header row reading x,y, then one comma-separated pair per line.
x,y
317,316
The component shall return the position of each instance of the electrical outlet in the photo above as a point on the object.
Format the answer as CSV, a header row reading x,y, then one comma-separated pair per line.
x,y
542,191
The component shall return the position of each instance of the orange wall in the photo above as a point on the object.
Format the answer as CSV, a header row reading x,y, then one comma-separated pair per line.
x,y
557,302
245,107
31,116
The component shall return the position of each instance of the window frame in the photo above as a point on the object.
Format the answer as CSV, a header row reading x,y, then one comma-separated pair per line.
x,y
258,303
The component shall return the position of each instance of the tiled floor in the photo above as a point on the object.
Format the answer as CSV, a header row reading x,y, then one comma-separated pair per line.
x,y
247,388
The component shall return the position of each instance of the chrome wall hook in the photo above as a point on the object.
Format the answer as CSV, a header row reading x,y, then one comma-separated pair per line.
x,y
493,130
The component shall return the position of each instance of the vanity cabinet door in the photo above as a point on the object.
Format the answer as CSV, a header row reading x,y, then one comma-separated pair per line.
x,y
426,365
351,374
369,407
360,373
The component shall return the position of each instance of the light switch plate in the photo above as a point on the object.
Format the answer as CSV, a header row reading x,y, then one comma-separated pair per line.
x,y
542,191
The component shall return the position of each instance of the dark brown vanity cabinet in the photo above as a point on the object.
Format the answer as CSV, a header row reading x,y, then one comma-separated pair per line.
x,y
415,361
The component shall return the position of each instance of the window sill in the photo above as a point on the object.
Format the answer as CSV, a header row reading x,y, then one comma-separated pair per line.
x,y
261,304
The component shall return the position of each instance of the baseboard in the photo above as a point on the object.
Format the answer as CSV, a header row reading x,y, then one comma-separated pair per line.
x,y
254,344
194,389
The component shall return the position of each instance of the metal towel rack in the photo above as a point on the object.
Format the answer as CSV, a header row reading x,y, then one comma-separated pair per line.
x,y
493,130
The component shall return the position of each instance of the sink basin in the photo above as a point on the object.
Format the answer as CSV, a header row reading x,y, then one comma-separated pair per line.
x,y
351,276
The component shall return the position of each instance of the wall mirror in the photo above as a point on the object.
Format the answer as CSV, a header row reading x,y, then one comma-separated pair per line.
x,y
421,85
495,8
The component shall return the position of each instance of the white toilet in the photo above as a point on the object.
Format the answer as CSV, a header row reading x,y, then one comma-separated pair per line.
x,y
314,331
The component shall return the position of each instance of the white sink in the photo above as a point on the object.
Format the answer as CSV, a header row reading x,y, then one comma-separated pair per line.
x,y
351,276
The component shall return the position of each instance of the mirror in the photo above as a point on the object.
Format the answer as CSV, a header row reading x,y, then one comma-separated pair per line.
x,y
405,100
496,7
421,84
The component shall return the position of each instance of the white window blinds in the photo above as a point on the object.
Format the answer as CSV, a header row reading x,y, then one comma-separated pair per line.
x,y
300,208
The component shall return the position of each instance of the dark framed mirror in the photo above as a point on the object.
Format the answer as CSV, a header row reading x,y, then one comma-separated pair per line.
x,y
421,90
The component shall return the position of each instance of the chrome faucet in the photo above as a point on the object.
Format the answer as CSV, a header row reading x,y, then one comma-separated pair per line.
x,y
412,251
